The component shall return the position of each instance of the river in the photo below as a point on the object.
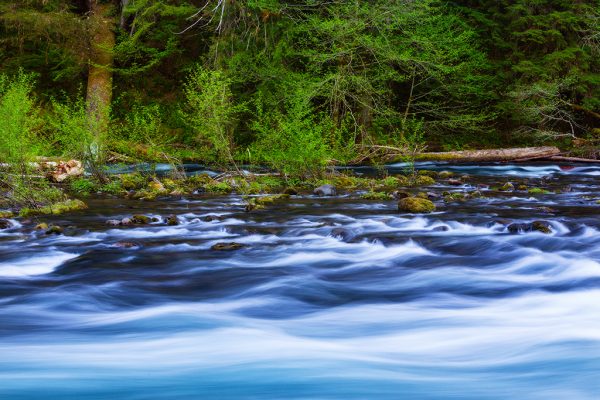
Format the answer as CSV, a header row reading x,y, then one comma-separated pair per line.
x,y
330,298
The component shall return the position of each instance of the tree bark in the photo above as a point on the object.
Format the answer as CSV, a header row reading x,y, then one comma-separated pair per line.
x,y
102,42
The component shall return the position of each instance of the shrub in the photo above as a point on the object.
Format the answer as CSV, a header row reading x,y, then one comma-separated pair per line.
x,y
294,142
210,112
83,186
19,144
79,135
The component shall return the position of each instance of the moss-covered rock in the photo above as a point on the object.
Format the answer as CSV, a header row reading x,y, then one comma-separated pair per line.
x,y
172,220
382,196
542,226
416,205
507,187
257,203
445,174
54,230
54,209
422,180
42,226
455,196
6,214
140,219
538,191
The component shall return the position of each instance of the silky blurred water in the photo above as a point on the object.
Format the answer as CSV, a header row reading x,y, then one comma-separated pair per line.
x,y
331,298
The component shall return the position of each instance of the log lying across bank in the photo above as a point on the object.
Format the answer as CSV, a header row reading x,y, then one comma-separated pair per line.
x,y
492,155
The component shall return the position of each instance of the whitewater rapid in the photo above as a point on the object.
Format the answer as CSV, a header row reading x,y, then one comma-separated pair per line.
x,y
336,298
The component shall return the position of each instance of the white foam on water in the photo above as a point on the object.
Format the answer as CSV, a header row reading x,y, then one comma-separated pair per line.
x,y
36,265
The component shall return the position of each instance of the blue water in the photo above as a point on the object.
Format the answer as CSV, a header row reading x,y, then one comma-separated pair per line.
x,y
331,298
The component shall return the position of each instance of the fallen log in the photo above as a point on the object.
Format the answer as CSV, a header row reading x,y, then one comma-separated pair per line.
x,y
492,155
574,159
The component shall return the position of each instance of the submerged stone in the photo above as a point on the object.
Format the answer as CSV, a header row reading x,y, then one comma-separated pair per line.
x,y
227,246
54,230
416,205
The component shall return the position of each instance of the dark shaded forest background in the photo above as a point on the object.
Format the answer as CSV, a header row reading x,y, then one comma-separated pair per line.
x,y
296,84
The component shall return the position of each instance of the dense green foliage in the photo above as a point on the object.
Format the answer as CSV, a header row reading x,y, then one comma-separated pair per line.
x,y
297,85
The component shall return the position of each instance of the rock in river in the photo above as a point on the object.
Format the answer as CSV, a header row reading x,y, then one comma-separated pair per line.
x,y
416,205
227,246
325,190
172,220
538,226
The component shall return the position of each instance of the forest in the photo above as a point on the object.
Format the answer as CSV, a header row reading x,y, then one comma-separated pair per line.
x,y
295,85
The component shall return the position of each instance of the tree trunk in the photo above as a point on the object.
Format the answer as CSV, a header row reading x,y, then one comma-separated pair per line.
x,y
99,86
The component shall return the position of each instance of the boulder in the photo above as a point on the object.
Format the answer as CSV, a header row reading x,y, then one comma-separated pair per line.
x,y
416,205
172,220
42,226
113,222
535,226
126,221
542,226
5,223
54,230
139,219
290,191
325,190
455,182
507,187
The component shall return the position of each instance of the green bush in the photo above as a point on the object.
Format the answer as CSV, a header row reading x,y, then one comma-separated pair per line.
x,y
19,122
78,135
211,112
83,186
19,119
294,142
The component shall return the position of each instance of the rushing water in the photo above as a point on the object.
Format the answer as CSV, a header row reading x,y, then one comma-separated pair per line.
x,y
332,298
